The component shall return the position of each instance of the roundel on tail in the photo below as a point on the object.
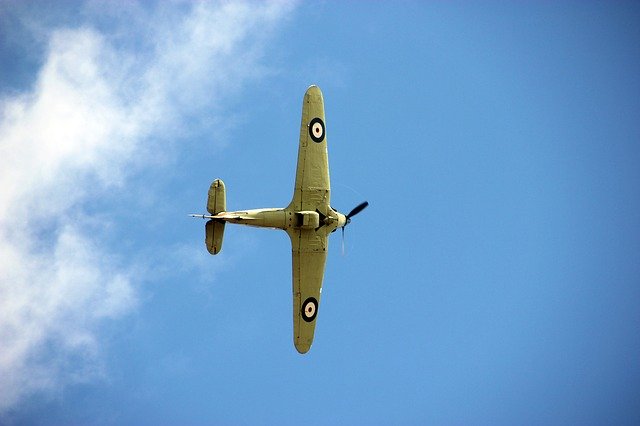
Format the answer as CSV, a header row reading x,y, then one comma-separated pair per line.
x,y
309,309
316,130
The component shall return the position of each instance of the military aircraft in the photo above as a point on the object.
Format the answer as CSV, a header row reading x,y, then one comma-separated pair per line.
x,y
308,219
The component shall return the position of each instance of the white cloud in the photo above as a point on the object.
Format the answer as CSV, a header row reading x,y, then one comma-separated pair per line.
x,y
98,108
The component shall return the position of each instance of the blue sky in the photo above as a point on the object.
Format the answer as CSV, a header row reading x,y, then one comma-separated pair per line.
x,y
494,279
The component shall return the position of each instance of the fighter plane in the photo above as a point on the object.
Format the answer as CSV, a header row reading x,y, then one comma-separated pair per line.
x,y
308,219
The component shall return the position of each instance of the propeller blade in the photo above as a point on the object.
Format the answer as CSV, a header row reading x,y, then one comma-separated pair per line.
x,y
343,240
357,209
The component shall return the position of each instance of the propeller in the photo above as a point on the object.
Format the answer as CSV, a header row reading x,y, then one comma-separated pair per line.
x,y
357,209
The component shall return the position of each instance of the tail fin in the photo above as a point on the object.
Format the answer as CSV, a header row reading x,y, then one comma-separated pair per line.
x,y
214,229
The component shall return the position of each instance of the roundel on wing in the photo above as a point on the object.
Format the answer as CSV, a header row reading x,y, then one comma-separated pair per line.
x,y
309,309
316,130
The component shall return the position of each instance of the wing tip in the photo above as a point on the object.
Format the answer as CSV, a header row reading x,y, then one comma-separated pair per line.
x,y
313,90
302,348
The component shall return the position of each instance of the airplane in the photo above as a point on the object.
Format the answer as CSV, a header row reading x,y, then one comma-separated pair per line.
x,y
308,219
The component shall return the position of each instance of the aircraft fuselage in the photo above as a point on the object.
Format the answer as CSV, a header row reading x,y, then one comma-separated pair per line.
x,y
283,218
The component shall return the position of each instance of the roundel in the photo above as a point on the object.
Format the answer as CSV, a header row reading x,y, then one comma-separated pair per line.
x,y
316,130
309,309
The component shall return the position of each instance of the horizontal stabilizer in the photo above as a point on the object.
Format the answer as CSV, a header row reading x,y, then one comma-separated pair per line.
x,y
214,231
217,200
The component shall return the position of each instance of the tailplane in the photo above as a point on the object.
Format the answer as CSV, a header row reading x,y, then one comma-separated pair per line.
x,y
214,229
217,201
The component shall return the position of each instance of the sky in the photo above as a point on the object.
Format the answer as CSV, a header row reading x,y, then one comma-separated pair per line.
x,y
494,278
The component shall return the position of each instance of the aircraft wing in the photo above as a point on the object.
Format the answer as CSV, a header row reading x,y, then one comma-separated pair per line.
x,y
311,193
312,187
309,255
